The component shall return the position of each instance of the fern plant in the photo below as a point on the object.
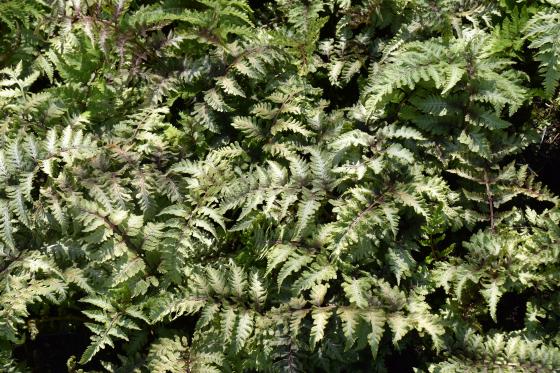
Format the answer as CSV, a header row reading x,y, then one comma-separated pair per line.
x,y
213,185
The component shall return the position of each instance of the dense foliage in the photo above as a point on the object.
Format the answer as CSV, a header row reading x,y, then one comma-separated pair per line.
x,y
314,185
